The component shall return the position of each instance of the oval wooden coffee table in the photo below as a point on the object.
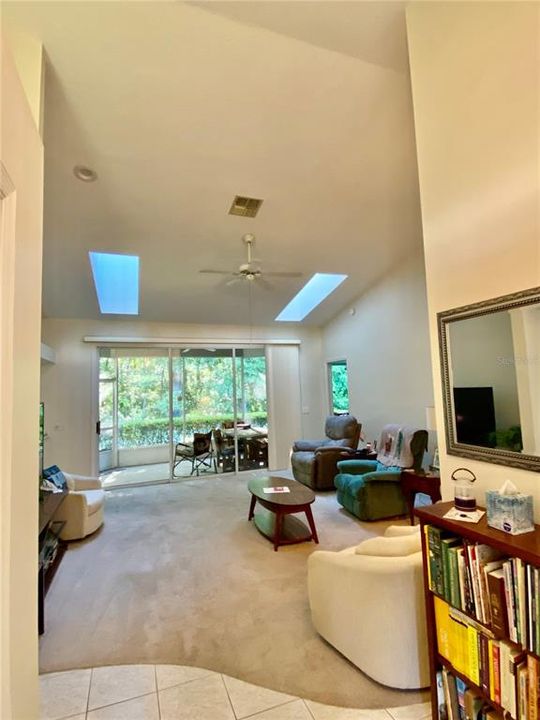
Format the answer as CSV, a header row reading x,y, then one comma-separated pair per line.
x,y
277,524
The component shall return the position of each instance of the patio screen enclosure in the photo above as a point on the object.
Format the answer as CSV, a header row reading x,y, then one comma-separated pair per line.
x,y
151,399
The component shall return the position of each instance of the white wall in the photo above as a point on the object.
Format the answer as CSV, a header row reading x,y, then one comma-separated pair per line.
x,y
68,386
21,185
475,79
386,345
284,403
526,334
27,53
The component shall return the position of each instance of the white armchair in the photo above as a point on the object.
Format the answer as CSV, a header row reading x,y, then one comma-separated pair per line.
x,y
82,509
368,602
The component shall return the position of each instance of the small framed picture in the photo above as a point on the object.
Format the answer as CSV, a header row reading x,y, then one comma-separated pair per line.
x,y
435,463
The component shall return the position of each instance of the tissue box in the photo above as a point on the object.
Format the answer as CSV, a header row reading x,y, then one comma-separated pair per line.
x,y
511,513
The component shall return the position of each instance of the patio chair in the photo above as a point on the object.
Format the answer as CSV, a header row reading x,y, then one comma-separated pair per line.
x,y
224,451
199,453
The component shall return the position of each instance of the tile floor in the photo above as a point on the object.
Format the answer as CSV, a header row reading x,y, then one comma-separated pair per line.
x,y
177,692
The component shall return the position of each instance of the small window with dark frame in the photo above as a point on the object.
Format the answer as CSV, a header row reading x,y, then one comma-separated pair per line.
x,y
338,386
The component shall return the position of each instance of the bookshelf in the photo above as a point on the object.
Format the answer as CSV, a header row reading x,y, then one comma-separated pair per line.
x,y
469,626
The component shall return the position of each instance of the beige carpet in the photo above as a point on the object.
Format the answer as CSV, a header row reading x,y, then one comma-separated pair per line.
x,y
178,575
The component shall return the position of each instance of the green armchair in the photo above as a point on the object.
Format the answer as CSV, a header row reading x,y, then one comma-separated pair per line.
x,y
371,489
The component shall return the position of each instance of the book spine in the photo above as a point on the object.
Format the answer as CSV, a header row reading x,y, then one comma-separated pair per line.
x,y
497,604
533,672
496,673
519,567
435,559
536,613
455,597
461,688
517,614
446,691
475,582
515,659
441,700
529,585
445,571
484,664
504,676
428,564
461,574
442,623
473,661
508,582
523,691
469,595
454,704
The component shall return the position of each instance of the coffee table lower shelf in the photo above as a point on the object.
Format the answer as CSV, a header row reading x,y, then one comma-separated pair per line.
x,y
292,530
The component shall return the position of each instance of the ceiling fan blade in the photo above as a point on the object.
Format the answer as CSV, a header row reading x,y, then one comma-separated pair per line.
x,y
263,283
283,274
235,279
217,272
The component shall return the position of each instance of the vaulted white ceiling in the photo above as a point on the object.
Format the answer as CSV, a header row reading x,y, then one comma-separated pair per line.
x,y
179,107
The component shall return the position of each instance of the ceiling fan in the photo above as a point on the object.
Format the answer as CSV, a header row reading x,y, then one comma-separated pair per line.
x,y
250,270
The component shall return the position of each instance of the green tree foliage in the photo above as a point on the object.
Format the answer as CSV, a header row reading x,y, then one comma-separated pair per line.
x,y
202,389
340,387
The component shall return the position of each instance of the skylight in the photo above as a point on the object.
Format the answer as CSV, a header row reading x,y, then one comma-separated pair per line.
x,y
312,294
116,278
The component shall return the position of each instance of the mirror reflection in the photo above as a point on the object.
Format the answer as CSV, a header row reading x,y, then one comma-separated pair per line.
x,y
494,377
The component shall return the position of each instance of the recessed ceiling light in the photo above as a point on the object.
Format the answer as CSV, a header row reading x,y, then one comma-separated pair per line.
x,y
312,294
84,173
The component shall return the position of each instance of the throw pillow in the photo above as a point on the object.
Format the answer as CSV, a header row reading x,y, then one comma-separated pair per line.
x,y
390,546
400,530
54,475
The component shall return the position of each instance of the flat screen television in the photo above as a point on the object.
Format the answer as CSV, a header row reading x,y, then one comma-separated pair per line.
x,y
474,411
41,437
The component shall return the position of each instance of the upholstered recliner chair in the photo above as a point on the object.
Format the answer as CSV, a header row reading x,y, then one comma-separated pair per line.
x,y
371,489
368,602
314,462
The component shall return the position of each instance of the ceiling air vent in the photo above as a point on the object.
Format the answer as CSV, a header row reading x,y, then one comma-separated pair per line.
x,y
245,206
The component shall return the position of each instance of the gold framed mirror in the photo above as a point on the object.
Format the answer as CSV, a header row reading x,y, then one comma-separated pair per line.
x,y
490,368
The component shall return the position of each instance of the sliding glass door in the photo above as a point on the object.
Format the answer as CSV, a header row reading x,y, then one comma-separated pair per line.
x,y
203,402
174,413
140,429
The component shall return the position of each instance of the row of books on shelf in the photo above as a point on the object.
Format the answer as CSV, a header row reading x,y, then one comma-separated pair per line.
x,y
500,592
457,701
502,672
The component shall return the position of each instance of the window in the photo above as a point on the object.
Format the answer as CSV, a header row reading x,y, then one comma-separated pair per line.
x,y
338,387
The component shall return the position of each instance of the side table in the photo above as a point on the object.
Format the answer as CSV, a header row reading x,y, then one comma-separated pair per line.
x,y
413,482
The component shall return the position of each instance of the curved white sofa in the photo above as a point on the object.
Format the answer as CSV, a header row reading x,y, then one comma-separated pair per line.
x,y
82,509
368,602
